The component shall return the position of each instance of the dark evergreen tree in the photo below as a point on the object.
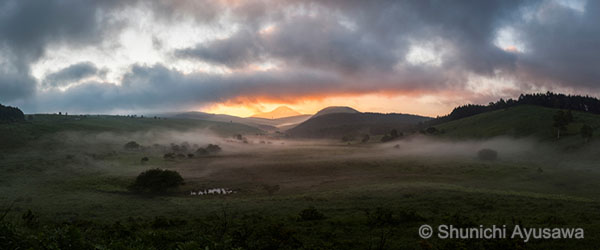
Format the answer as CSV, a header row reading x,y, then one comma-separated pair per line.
x,y
587,132
11,114
561,120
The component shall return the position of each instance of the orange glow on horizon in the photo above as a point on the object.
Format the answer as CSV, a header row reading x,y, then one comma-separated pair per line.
x,y
409,103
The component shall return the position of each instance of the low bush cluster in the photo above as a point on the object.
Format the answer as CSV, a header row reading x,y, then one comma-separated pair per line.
x,y
157,181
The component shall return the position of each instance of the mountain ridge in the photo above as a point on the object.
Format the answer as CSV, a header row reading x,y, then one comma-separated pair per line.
x,y
279,112
338,125
335,110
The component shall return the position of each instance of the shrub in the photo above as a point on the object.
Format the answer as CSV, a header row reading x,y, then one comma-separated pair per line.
x,y
392,135
431,130
587,132
365,139
175,147
347,138
487,154
132,145
157,181
386,138
201,152
169,156
30,220
10,237
311,213
212,148
271,189
381,217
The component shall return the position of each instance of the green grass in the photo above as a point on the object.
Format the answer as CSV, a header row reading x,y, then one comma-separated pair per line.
x,y
519,121
14,135
77,186
345,183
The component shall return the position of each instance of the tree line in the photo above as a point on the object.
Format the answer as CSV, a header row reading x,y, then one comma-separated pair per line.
x,y
548,99
11,114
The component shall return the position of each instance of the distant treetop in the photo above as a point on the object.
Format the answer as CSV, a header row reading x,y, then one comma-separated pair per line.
x,y
11,114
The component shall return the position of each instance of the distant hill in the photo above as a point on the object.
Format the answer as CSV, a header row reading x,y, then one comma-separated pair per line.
x,y
279,112
517,121
280,123
353,123
548,100
261,123
336,109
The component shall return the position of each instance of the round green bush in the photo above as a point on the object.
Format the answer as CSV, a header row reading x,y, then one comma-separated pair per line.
x,y
487,154
157,181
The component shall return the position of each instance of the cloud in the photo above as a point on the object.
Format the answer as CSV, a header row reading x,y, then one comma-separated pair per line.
x,y
240,50
349,36
562,46
316,47
159,88
70,74
319,41
14,85
27,27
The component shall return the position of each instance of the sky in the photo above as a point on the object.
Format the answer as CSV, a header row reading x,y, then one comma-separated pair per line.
x,y
242,57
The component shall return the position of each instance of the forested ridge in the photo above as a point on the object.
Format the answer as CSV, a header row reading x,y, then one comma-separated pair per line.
x,y
548,99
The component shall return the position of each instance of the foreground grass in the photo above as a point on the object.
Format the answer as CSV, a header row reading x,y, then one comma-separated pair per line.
x,y
64,185
331,197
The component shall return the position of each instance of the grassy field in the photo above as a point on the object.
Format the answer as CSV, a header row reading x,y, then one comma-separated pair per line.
x,y
16,135
73,175
519,121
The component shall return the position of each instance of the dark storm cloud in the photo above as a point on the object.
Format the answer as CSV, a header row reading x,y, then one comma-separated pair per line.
x,y
470,26
27,27
70,74
355,36
562,46
325,43
307,42
241,49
